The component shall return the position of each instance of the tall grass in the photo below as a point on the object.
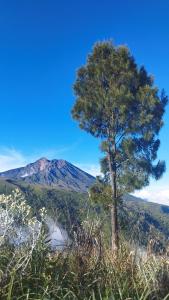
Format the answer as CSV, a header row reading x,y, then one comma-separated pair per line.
x,y
87,270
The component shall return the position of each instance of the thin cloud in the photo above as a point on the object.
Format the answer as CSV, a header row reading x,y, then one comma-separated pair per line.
x,y
11,159
155,193
93,169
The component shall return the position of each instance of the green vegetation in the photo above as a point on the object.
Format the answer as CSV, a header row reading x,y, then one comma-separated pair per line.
x,y
88,270
67,207
139,220
118,102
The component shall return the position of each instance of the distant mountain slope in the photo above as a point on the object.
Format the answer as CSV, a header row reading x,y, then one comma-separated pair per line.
x,y
145,220
54,173
140,220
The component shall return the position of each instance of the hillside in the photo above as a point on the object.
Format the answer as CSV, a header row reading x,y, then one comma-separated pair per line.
x,y
145,220
140,220
54,173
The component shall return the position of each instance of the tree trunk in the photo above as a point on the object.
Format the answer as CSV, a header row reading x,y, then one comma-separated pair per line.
x,y
114,218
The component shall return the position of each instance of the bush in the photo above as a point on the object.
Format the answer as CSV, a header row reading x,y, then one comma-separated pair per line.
x,y
86,270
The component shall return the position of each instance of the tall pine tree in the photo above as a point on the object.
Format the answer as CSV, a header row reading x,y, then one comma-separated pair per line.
x,y
117,101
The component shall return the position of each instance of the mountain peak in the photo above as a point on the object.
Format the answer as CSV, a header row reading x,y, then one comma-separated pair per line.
x,y
40,164
43,159
57,173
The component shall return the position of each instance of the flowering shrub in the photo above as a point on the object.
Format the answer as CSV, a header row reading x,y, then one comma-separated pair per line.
x,y
17,223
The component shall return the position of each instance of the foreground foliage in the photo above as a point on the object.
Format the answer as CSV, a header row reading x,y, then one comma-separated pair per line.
x,y
81,273
86,270
144,220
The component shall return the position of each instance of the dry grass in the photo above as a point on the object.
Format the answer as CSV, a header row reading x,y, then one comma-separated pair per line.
x,y
86,271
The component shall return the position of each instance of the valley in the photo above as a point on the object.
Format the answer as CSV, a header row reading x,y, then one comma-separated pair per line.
x,y
139,220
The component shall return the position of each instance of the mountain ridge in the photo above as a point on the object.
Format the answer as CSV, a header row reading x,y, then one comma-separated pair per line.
x,y
56,173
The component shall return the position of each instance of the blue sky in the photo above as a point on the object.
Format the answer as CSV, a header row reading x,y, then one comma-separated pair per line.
x,y
42,43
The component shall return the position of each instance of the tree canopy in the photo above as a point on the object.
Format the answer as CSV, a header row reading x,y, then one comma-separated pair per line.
x,y
118,102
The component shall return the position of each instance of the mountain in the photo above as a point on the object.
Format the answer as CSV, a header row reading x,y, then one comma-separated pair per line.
x,y
56,173
61,187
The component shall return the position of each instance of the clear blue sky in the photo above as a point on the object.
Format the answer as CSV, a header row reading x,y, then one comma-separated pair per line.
x,y
42,43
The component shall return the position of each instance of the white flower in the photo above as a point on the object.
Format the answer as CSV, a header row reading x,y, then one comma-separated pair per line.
x,y
16,218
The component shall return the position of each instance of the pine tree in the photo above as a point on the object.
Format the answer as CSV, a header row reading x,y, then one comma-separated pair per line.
x,y
117,101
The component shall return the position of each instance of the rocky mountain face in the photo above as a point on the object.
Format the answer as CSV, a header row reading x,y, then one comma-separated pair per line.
x,y
55,173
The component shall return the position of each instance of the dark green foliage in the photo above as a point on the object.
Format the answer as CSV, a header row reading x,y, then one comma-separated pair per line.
x,y
145,221
68,208
117,101
100,193
139,220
